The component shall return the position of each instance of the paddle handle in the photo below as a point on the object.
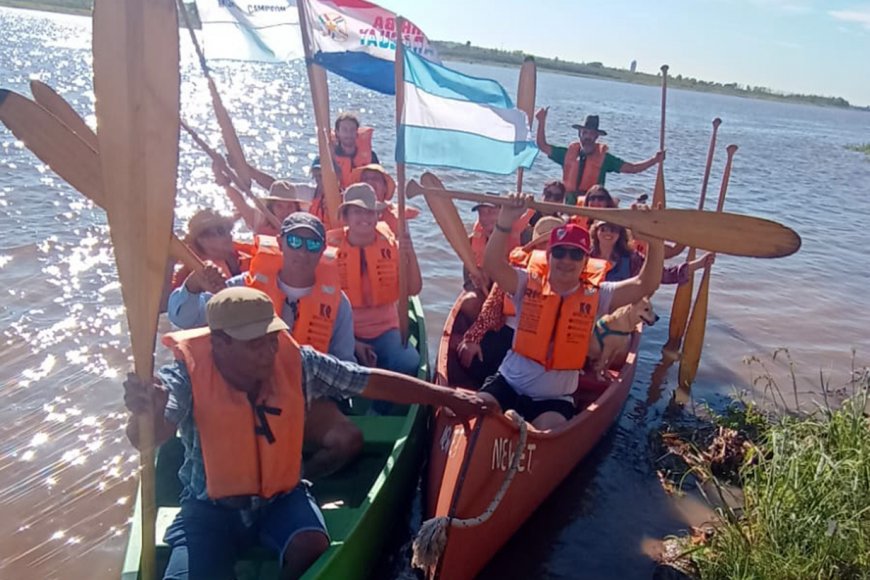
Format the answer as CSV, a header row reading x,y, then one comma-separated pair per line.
x,y
664,70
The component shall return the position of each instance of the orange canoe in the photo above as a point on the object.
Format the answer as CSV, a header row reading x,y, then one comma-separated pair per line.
x,y
467,467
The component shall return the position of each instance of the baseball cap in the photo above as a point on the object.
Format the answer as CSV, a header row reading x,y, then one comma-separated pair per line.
x,y
302,220
570,235
243,313
361,195
486,203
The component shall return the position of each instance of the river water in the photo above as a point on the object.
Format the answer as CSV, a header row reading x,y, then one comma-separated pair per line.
x,y
67,473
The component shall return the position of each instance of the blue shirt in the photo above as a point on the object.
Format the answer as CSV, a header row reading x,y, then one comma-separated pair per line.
x,y
322,376
187,310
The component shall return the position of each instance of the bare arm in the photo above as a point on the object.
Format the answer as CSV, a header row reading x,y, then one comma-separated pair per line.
x,y
264,180
398,388
541,139
627,167
495,262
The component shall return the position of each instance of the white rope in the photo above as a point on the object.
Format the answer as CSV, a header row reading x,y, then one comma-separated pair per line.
x,y
432,538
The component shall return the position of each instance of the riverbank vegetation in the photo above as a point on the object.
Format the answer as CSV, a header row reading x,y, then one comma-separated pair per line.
x,y
862,148
804,479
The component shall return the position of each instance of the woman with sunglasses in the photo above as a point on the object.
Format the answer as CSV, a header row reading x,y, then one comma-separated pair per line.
x,y
540,373
615,244
368,263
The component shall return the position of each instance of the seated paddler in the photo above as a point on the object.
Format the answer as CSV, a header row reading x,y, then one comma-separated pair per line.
x,y
300,275
237,394
556,309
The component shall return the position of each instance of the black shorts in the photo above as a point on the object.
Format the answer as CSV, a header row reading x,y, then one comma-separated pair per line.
x,y
530,409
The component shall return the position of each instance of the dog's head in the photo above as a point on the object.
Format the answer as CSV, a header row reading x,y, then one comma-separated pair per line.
x,y
642,311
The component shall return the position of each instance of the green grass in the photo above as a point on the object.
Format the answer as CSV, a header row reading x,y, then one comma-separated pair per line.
x,y
806,509
862,148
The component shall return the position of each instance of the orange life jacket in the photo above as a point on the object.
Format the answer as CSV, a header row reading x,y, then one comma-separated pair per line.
x,y
316,312
479,239
518,258
591,170
381,267
318,209
247,450
554,330
363,155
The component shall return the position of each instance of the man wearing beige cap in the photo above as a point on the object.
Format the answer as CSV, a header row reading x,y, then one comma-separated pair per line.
x,y
303,285
237,393
368,262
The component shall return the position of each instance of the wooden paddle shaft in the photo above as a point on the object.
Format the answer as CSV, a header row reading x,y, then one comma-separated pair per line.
x,y
664,106
727,233
682,303
400,177
444,211
526,99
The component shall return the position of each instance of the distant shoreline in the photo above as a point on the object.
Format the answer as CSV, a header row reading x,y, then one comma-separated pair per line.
x,y
477,55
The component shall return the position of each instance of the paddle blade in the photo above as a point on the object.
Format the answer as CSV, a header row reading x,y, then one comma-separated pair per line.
x,y
56,105
450,223
694,342
680,309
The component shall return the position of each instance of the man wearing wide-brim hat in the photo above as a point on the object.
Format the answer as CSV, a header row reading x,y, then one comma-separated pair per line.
x,y
585,162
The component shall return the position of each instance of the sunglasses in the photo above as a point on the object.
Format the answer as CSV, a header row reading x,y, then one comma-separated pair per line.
x,y
296,242
561,252
609,228
215,231
592,198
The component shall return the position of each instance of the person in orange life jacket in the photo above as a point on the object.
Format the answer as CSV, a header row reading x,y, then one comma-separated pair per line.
x,y
282,200
540,372
352,147
614,243
301,293
485,344
554,192
384,186
210,236
368,258
237,394
476,288
585,162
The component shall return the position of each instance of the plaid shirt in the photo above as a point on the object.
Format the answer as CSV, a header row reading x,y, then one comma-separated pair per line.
x,y
322,376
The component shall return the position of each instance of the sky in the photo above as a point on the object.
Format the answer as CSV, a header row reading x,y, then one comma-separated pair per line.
x,y
803,46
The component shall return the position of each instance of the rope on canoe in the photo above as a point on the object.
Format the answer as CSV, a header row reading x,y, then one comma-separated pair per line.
x,y
432,538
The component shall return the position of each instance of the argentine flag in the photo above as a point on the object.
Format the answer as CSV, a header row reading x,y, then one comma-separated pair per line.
x,y
454,120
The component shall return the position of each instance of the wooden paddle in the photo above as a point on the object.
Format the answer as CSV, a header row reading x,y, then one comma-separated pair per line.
x,y
451,224
68,155
235,155
136,81
698,321
399,69
683,295
56,105
726,233
659,191
320,98
526,99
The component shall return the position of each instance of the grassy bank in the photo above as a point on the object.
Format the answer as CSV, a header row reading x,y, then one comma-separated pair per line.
x,y
805,480
865,148
80,7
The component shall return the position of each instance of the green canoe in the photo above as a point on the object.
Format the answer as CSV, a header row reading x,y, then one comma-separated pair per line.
x,y
360,503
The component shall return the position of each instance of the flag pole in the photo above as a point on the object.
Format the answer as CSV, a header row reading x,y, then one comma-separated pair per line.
x,y
400,177
320,100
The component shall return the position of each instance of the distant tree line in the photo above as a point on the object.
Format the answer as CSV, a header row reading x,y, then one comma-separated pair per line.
x,y
466,51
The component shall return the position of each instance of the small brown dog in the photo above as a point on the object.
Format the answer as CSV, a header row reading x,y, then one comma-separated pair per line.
x,y
612,335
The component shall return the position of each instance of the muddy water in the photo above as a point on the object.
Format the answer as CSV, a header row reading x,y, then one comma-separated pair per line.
x,y
67,474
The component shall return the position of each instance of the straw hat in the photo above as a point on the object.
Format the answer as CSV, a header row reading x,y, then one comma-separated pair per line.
x,y
284,191
361,195
356,177
542,230
203,220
